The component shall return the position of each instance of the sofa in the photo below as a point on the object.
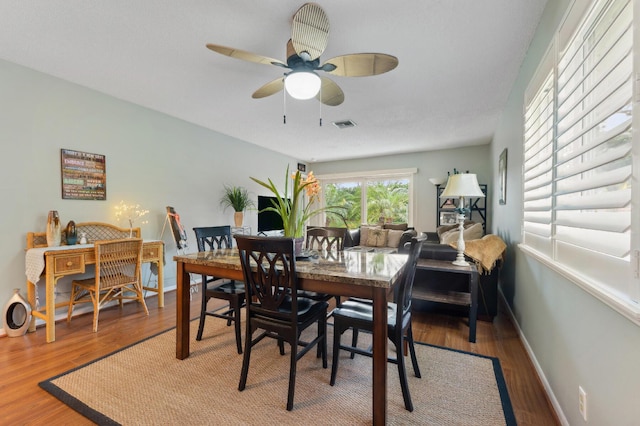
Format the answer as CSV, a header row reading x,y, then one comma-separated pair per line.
x,y
440,248
388,237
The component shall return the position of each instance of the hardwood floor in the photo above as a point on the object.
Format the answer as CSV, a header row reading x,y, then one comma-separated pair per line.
x,y
27,360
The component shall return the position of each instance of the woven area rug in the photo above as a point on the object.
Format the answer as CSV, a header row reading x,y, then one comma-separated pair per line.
x,y
144,384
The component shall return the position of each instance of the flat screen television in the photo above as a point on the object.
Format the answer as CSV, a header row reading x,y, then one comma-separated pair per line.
x,y
268,221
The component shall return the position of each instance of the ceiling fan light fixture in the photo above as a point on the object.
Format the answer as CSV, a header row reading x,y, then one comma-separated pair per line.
x,y
302,84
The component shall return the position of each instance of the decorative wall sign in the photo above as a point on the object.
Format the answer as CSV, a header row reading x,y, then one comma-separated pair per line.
x,y
84,175
502,172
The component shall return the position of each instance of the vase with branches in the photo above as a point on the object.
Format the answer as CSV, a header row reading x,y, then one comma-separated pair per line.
x,y
130,213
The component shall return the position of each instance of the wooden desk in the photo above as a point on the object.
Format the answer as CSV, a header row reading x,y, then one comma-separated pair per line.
x,y
70,260
351,274
450,297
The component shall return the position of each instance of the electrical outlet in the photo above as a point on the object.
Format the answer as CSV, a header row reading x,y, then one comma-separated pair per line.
x,y
582,402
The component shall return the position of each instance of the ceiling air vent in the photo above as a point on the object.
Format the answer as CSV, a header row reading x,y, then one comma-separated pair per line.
x,y
344,124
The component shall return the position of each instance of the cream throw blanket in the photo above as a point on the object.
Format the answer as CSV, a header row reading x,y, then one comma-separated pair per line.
x,y
485,251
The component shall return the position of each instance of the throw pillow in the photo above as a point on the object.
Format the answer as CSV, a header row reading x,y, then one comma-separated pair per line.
x,y
396,226
444,228
393,238
377,237
473,232
364,233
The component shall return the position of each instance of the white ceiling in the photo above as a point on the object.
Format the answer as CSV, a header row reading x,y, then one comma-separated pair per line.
x,y
458,60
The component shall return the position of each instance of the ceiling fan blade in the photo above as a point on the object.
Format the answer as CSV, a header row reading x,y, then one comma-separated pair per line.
x,y
330,93
244,55
310,31
362,64
269,89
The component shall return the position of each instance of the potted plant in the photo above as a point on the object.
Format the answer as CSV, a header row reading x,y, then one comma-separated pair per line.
x,y
296,212
237,198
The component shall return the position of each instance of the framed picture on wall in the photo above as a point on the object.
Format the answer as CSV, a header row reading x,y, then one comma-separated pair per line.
x,y
502,173
84,175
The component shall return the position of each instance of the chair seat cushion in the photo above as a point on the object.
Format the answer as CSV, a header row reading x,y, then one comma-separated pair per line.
x,y
225,286
313,295
306,307
363,311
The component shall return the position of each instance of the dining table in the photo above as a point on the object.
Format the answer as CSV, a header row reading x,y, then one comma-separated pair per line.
x,y
369,275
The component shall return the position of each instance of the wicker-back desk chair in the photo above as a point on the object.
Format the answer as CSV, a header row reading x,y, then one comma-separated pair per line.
x,y
117,276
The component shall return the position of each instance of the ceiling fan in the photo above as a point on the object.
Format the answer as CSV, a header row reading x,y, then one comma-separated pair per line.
x,y
309,37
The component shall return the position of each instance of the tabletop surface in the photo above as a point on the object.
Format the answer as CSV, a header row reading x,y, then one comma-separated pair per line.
x,y
370,269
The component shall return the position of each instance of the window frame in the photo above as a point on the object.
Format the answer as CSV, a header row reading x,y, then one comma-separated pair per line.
x,y
363,178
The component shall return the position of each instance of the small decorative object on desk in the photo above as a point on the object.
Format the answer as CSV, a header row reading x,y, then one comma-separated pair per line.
x,y
83,238
54,231
71,233
16,315
131,213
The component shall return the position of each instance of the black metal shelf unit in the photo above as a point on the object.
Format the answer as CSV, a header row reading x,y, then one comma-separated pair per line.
x,y
446,208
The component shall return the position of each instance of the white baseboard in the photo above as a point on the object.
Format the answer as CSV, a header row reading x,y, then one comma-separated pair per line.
x,y
536,365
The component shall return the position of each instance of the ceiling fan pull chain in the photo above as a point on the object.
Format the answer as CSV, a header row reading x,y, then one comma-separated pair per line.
x,y
320,103
284,107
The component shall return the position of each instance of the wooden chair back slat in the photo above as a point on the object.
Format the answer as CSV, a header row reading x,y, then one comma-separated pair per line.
x,y
326,238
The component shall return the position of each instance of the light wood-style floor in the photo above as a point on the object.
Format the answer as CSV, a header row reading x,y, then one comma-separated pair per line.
x,y
27,360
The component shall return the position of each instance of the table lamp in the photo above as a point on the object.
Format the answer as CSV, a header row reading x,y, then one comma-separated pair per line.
x,y
462,185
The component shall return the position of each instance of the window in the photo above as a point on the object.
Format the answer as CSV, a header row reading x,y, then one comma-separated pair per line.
x,y
371,197
577,203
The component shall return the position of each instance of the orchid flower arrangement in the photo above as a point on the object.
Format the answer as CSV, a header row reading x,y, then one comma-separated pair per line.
x,y
297,212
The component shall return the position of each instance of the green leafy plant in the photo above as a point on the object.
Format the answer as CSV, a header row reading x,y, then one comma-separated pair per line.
x,y
295,213
236,197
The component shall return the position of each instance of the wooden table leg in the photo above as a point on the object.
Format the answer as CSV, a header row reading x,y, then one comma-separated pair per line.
x,y
473,310
50,304
32,289
379,356
182,312
160,283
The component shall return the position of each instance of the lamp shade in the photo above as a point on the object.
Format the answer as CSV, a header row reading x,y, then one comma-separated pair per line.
x,y
302,84
462,185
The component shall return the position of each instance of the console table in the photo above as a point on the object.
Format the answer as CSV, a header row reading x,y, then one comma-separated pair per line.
x,y
469,298
69,260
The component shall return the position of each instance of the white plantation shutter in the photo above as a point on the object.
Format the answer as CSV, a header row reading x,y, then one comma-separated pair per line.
x,y
593,158
538,166
578,173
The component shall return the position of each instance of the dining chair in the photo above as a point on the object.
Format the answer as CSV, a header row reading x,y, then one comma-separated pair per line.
x,y
213,238
329,239
274,306
117,275
325,238
358,315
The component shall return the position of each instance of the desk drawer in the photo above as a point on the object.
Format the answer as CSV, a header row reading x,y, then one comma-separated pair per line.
x,y
69,264
152,252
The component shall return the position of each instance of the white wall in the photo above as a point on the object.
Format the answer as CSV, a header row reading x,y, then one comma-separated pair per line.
x,y
152,159
575,339
429,164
